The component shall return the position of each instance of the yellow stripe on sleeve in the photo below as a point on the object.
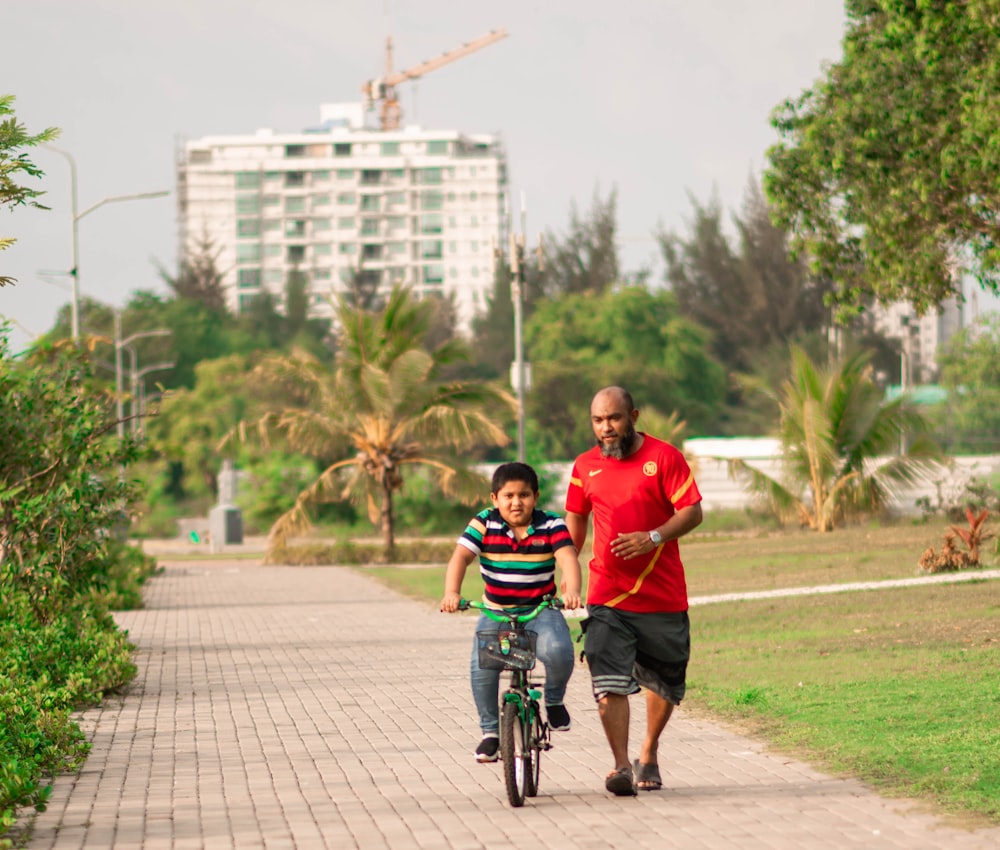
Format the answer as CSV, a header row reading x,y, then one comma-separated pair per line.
x,y
682,490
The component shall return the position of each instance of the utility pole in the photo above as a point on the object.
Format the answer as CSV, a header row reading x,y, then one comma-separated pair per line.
x,y
520,376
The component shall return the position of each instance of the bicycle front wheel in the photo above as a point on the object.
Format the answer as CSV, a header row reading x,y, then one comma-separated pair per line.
x,y
533,762
514,749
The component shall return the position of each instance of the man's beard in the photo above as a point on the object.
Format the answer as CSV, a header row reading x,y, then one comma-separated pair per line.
x,y
622,447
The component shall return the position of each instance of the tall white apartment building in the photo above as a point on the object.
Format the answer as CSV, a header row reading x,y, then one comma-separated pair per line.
x,y
920,336
411,206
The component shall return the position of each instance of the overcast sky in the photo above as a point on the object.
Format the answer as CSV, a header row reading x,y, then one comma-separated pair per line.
x,y
657,98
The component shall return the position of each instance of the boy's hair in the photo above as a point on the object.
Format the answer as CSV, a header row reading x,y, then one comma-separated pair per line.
x,y
507,472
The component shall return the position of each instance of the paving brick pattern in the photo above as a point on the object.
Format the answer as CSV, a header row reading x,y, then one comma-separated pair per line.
x,y
310,708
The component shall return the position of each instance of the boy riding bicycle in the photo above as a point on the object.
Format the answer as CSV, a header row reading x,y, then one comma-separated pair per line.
x,y
518,547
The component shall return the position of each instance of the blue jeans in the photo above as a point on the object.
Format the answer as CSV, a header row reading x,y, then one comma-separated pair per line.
x,y
554,649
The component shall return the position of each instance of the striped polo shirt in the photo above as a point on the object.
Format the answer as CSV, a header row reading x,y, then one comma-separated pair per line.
x,y
516,572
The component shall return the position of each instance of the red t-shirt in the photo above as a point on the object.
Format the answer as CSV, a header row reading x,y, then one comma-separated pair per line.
x,y
638,493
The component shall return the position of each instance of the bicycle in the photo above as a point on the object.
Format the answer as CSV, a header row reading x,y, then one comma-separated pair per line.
x,y
523,733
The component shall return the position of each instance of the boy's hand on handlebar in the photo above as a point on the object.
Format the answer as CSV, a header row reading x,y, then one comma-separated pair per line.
x,y
572,600
449,603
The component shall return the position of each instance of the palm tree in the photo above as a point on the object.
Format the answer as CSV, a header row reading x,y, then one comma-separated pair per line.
x,y
381,408
840,439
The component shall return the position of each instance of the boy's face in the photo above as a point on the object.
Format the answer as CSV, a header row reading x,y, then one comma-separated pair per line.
x,y
515,500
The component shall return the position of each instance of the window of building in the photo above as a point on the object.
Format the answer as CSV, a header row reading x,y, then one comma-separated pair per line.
x,y
474,221
321,274
369,227
249,278
345,173
272,175
342,149
396,173
431,199
246,300
247,204
322,249
246,227
247,252
473,195
396,247
431,223
437,147
272,224
274,276
296,253
474,246
370,203
322,224
395,198
295,178
390,148
295,204
272,250
347,248
452,247
320,200
396,222
451,197
247,179
295,150
346,223
272,200
371,252
370,177
346,198
431,250
433,273
295,227
322,175
429,176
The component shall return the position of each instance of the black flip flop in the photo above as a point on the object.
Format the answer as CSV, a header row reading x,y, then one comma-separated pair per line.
x,y
620,783
649,773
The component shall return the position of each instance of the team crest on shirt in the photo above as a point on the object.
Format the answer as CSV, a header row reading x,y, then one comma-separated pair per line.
x,y
649,467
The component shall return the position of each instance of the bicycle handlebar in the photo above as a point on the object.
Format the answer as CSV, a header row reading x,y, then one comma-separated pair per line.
x,y
501,615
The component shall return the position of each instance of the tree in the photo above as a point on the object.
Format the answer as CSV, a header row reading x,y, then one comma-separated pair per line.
x,y
13,137
886,168
381,409
836,429
632,337
586,259
970,370
752,297
199,278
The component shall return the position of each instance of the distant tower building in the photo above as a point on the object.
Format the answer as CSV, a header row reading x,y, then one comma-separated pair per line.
x,y
920,337
411,206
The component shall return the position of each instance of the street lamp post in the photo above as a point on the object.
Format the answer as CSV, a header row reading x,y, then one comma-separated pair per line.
x,y
126,342
139,390
75,270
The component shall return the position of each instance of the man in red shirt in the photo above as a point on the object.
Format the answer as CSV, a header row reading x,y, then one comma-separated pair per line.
x,y
643,497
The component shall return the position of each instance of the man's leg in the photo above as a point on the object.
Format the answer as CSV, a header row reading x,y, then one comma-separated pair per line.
x,y
658,711
614,712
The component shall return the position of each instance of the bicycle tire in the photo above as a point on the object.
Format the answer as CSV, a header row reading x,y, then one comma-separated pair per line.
x,y
533,764
513,753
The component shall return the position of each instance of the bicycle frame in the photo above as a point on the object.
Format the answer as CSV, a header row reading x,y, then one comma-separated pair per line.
x,y
523,697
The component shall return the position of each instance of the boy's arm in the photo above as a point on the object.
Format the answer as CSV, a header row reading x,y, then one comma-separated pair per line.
x,y
569,565
453,576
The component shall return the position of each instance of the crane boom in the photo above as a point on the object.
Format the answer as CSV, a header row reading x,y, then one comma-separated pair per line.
x,y
383,91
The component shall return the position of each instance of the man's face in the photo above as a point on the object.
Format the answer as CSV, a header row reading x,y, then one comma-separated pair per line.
x,y
613,424
515,500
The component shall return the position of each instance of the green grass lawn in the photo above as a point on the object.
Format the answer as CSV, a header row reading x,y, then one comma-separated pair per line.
x,y
900,687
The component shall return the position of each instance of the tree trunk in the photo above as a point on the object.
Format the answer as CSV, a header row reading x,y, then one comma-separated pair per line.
x,y
388,529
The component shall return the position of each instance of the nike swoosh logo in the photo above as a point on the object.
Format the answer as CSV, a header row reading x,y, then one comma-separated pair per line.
x,y
594,472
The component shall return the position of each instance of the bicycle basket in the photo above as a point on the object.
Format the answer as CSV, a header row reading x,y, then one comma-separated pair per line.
x,y
506,650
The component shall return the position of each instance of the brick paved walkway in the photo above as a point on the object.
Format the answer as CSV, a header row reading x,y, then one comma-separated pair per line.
x,y
290,708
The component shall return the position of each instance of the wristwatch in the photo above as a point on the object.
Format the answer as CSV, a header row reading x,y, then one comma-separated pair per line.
x,y
656,537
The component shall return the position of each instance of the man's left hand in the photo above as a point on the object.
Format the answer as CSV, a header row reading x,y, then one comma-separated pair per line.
x,y
632,545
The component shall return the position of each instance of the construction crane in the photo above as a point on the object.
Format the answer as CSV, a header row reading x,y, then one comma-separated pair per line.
x,y
383,90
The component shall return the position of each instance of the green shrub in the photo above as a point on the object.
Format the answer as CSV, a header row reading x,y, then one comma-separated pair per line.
x,y
348,553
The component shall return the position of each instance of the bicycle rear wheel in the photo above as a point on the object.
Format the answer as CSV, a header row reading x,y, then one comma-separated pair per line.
x,y
514,749
533,762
